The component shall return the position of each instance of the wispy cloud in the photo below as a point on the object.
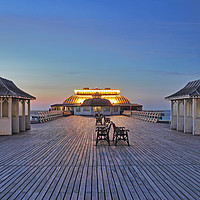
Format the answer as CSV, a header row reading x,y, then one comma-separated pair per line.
x,y
172,73
65,74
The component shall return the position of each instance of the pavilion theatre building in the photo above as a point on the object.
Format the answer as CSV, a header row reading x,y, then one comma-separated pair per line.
x,y
96,101
185,108
14,108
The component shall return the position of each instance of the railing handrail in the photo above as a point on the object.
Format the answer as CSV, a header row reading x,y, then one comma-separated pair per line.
x,y
44,116
151,116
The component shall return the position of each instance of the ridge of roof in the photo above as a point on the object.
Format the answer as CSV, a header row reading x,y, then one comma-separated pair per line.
x,y
9,89
3,83
96,102
192,88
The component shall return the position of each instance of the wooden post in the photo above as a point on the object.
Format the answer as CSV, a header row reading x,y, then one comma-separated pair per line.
x,y
28,127
194,115
172,113
185,116
178,115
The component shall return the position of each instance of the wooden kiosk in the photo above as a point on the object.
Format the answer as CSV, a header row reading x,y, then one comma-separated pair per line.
x,y
14,108
185,108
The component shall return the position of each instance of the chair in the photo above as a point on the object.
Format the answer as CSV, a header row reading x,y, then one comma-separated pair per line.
x,y
120,133
103,133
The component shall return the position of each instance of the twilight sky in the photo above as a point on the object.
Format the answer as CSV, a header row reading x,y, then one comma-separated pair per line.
x,y
146,48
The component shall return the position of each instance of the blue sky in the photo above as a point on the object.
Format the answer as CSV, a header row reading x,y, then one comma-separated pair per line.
x,y
147,49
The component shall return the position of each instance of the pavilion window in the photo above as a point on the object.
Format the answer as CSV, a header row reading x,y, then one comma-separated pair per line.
x,y
97,109
78,109
59,108
198,107
115,109
106,109
86,108
5,106
66,108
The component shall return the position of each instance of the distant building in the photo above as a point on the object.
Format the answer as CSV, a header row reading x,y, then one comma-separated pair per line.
x,y
185,108
92,101
14,108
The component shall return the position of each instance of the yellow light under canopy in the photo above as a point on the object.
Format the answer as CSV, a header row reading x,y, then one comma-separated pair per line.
x,y
94,91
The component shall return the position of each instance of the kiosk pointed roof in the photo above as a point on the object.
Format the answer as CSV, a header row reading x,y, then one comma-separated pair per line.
x,y
9,89
192,89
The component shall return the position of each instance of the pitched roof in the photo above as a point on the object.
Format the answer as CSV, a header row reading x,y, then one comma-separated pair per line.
x,y
9,89
190,90
96,102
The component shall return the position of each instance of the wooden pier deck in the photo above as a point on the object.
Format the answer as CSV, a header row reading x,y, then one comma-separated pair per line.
x,y
59,160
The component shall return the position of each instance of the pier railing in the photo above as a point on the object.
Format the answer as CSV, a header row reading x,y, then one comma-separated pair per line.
x,y
150,116
45,116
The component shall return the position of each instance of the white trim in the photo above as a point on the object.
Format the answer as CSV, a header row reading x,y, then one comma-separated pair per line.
x,y
17,97
182,97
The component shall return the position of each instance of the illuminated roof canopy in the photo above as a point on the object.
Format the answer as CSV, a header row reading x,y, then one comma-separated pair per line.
x,y
87,91
110,94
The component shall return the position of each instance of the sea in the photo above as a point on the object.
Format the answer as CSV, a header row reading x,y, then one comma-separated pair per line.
x,y
167,115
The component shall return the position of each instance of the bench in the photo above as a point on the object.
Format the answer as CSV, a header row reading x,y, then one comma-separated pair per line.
x,y
106,120
120,133
103,133
98,120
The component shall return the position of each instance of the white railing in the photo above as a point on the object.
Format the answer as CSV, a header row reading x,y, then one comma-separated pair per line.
x,y
45,116
150,116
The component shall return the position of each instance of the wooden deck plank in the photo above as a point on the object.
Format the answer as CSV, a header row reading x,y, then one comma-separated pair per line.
x,y
101,190
106,183
155,176
59,160
69,191
94,183
134,183
35,182
173,185
128,182
16,190
57,189
111,183
83,183
10,187
123,184
117,183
